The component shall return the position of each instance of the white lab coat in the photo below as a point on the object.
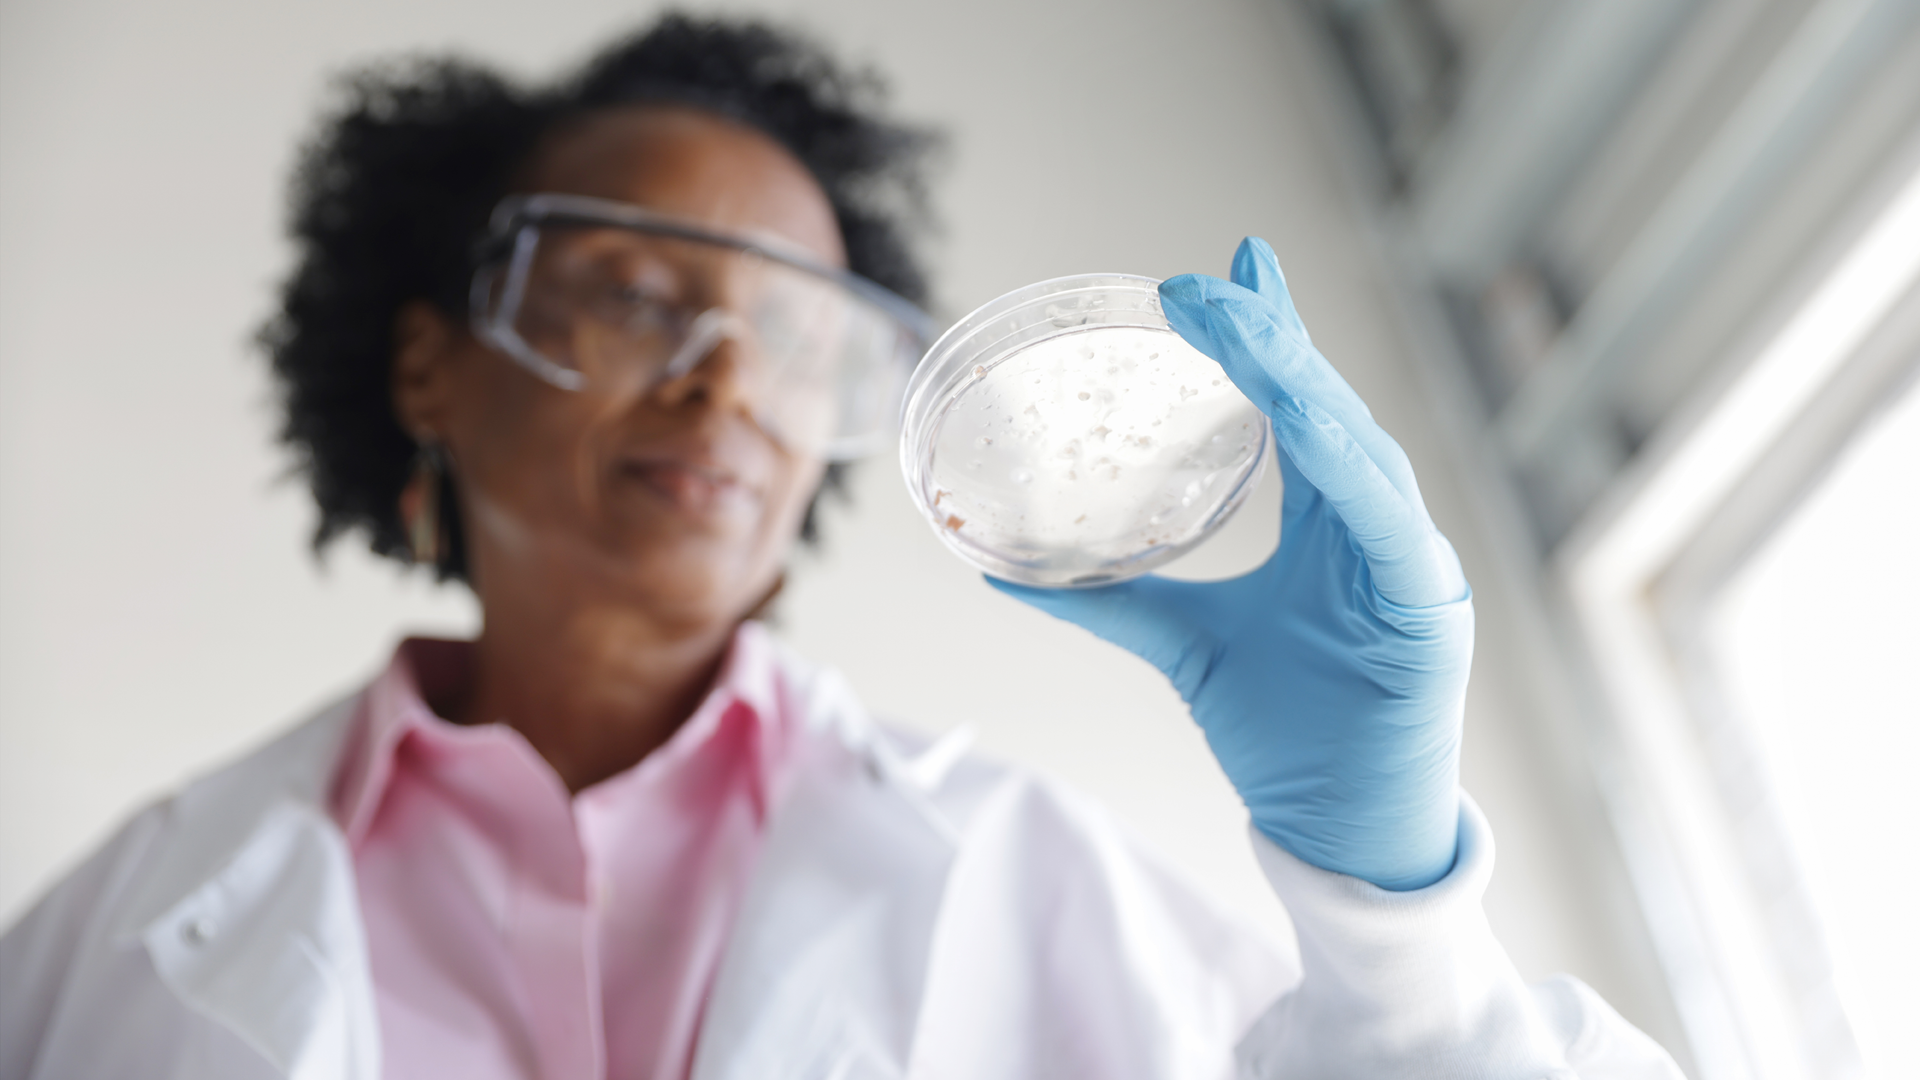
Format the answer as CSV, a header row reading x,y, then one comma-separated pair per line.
x,y
915,913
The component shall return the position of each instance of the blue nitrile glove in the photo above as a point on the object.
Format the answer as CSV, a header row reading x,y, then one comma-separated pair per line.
x,y
1330,681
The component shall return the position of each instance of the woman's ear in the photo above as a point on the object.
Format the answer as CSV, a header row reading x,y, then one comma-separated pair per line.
x,y
422,380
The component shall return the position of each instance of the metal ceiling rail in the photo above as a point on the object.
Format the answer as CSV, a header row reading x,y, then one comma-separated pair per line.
x,y
1529,121
1835,47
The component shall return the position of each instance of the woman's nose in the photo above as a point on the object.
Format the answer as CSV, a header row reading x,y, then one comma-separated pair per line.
x,y
715,363
706,331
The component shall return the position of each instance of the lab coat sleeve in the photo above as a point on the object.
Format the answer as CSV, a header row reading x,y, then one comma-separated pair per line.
x,y
1406,984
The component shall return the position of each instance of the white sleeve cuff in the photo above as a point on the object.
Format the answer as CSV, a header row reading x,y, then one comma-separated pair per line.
x,y
1405,984
1363,915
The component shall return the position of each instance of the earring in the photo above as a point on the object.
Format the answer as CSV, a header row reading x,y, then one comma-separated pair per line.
x,y
420,506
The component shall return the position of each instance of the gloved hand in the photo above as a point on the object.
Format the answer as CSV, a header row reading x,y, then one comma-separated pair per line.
x,y
1329,682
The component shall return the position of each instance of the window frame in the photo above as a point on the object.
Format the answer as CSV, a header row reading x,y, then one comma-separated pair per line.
x,y
1734,923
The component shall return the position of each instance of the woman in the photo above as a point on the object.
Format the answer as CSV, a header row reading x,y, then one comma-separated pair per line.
x,y
593,352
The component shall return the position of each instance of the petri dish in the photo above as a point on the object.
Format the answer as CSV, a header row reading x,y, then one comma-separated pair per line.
x,y
1064,436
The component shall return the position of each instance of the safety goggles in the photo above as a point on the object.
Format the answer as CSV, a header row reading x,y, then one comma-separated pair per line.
x,y
600,296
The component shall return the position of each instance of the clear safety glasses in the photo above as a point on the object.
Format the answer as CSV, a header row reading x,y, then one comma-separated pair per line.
x,y
590,294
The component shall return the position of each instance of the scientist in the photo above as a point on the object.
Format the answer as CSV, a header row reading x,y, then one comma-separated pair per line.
x,y
590,351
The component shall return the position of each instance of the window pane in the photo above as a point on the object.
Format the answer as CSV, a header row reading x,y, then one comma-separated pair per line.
x,y
1818,638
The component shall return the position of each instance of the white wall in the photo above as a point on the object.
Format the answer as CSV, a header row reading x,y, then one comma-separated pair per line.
x,y
158,607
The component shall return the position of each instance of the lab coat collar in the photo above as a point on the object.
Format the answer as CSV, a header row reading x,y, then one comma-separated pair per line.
x,y
251,916
249,913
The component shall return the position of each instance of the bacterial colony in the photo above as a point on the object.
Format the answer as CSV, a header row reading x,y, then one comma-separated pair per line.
x,y
1091,448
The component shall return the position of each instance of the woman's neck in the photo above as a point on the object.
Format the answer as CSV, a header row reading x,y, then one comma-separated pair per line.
x,y
594,690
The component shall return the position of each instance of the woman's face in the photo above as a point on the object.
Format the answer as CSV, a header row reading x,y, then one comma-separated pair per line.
x,y
669,497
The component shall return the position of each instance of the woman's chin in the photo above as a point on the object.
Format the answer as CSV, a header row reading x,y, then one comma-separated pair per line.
x,y
692,579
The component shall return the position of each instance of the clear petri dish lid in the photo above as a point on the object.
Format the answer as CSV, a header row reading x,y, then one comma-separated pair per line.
x,y
1065,436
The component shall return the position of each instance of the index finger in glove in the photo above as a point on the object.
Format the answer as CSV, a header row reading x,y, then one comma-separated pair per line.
x,y
1410,563
1323,427
1250,328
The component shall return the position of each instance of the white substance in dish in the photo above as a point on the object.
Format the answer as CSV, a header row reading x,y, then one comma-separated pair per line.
x,y
1091,449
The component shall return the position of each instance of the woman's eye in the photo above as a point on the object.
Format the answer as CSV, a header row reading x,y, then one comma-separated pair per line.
x,y
634,294
622,302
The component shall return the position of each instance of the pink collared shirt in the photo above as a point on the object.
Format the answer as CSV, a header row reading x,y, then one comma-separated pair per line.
x,y
517,931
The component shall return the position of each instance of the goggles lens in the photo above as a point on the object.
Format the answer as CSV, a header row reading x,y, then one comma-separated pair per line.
x,y
609,298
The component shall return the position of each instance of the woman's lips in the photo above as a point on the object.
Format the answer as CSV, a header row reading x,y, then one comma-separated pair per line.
x,y
691,486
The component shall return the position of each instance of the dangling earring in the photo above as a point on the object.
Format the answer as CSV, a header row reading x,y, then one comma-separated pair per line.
x,y
420,506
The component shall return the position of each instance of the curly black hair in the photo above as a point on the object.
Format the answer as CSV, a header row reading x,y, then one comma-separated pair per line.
x,y
391,198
